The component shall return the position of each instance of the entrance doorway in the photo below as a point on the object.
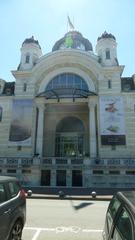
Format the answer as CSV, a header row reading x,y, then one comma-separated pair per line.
x,y
69,138
76,178
45,177
61,177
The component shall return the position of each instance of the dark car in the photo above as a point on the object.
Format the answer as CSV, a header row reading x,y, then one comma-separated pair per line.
x,y
12,208
120,217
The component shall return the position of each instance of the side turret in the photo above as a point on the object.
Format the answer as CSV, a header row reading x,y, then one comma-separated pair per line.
x,y
106,49
30,53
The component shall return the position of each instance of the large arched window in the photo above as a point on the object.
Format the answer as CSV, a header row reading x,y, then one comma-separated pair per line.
x,y
67,80
66,85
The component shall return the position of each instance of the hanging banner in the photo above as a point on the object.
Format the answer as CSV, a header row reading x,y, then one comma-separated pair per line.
x,y
21,122
112,124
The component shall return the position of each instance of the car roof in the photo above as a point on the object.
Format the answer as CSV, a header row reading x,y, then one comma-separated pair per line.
x,y
7,178
128,197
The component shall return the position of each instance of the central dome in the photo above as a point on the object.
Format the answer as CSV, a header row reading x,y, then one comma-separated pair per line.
x,y
73,39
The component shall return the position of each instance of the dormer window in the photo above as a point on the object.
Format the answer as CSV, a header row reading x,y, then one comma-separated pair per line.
x,y
107,53
27,60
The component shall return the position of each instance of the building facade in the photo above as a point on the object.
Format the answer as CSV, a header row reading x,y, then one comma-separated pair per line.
x,y
69,117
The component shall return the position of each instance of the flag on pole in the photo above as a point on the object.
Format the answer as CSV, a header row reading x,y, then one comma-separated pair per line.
x,y
70,23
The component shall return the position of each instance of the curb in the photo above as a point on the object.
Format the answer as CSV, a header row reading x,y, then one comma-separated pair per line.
x,y
67,197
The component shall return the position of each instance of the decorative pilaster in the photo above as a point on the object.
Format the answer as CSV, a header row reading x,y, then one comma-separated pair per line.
x,y
40,128
92,128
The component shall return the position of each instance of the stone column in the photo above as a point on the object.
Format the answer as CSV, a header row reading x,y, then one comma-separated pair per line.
x,y
40,128
92,128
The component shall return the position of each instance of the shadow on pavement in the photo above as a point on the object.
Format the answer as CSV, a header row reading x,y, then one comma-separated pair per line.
x,y
80,206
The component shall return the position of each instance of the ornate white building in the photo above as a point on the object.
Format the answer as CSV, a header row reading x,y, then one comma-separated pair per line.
x,y
69,117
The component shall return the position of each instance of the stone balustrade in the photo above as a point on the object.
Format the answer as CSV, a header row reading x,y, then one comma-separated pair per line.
x,y
36,161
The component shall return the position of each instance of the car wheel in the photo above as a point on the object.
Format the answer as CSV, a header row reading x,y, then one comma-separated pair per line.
x,y
16,231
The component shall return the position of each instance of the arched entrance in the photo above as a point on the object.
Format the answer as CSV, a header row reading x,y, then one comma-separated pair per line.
x,y
69,140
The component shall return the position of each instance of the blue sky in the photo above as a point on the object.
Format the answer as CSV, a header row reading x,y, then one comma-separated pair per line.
x,y
46,20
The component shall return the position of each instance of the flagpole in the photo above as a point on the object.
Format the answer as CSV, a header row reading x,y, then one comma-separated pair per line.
x,y
67,22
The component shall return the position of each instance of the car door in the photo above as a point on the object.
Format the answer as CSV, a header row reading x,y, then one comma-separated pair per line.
x,y
4,212
123,228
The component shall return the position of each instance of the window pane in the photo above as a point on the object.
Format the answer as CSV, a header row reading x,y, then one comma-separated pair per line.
x,y
77,82
115,204
27,59
2,194
63,80
70,80
14,188
123,227
55,83
84,85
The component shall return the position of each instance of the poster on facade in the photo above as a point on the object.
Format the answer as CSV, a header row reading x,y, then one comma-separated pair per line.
x,y
112,124
21,122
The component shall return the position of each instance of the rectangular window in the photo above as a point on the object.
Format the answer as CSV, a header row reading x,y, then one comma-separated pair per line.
x,y
11,171
114,172
107,54
28,171
109,84
132,172
19,148
97,172
24,87
27,59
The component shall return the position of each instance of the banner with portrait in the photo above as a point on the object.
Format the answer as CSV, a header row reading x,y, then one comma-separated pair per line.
x,y
21,122
112,121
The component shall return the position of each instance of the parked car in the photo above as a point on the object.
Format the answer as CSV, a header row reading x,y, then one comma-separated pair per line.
x,y
120,217
12,208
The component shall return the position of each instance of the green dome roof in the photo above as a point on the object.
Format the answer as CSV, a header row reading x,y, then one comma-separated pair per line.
x,y
73,40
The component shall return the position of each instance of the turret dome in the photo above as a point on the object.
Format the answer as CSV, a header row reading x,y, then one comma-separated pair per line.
x,y
106,35
31,40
